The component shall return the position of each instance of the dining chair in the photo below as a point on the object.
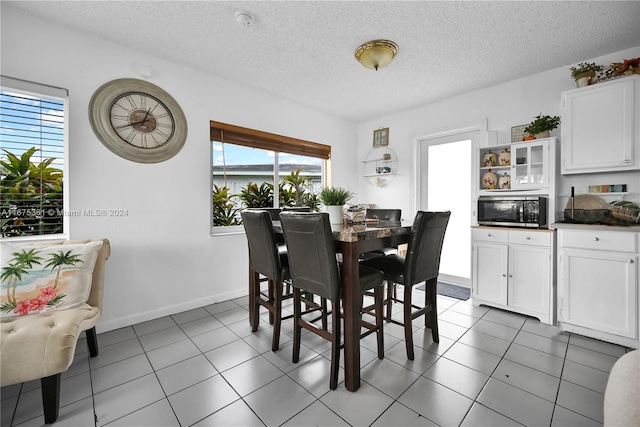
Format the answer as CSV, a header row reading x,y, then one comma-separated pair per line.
x,y
382,215
269,259
314,268
421,264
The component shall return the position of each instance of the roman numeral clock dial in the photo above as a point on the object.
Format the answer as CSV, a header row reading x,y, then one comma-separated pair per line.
x,y
137,120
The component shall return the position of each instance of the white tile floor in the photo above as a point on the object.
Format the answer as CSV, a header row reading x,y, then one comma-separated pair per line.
x,y
205,367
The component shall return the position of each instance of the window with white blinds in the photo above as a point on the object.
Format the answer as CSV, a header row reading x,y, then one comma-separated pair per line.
x,y
33,135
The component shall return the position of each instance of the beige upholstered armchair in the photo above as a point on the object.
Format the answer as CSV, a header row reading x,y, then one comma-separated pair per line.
x,y
42,345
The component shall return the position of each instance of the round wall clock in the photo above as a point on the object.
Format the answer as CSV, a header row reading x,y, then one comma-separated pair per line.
x,y
137,120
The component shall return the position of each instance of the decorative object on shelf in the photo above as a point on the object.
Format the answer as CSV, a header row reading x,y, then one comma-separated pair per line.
x,y
489,180
334,199
137,120
381,137
489,159
625,68
616,188
518,133
504,182
504,159
541,126
380,166
585,73
376,53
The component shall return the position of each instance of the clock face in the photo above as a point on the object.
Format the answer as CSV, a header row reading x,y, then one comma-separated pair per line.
x,y
137,120
142,120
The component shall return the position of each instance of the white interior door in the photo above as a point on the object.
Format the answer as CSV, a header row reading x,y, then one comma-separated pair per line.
x,y
445,185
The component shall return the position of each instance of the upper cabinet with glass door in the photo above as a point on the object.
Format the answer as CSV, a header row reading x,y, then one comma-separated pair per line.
x,y
531,166
521,166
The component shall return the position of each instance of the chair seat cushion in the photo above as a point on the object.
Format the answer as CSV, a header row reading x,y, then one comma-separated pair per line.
x,y
41,345
392,267
369,278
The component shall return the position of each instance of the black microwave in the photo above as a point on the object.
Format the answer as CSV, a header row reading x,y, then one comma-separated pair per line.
x,y
514,211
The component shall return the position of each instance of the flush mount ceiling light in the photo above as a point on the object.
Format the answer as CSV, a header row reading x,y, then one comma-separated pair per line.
x,y
244,19
376,53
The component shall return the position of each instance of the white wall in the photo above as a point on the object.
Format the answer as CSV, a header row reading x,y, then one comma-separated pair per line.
x,y
509,104
163,258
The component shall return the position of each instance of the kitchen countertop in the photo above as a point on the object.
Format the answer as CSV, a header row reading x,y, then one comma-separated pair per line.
x,y
574,226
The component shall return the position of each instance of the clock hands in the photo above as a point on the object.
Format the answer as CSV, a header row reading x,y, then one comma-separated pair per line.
x,y
137,123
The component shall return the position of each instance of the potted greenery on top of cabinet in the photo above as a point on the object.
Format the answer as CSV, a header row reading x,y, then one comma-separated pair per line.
x,y
585,73
541,126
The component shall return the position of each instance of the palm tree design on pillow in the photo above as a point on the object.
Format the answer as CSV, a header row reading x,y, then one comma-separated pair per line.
x,y
47,296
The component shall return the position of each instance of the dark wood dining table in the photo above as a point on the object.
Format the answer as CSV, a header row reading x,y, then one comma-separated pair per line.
x,y
352,240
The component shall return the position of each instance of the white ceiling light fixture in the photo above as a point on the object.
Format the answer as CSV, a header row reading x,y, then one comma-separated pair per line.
x,y
376,53
245,19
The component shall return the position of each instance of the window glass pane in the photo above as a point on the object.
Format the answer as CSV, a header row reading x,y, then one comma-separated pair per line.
x,y
300,180
243,177
32,135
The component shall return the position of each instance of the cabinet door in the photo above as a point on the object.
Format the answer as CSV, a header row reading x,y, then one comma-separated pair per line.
x,y
529,278
598,128
599,291
490,272
529,167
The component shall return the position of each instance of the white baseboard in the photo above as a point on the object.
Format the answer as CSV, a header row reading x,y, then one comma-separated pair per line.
x,y
133,319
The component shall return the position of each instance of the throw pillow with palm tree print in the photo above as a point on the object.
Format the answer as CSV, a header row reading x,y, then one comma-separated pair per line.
x,y
37,278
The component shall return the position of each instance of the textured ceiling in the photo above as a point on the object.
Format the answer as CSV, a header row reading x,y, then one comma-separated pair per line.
x,y
303,50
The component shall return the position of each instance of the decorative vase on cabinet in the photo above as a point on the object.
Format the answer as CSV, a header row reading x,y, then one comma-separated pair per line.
x,y
489,180
504,159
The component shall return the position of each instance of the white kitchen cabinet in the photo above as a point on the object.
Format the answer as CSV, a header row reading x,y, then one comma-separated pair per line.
x,y
598,284
513,270
531,166
600,127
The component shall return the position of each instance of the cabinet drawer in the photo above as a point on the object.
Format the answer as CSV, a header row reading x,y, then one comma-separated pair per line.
x,y
536,238
494,235
600,240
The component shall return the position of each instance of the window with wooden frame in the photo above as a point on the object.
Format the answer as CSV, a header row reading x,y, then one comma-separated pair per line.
x,y
247,164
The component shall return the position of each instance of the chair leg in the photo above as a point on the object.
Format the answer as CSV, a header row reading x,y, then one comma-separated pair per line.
x,y
335,343
390,287
325,321
431,318
271,287
408,327
297,315
50,397
254,295
92,341
277,315
378,294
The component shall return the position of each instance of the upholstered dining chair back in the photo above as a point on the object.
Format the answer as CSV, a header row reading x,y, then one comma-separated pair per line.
x,y
422,261
384,214
263,248
312,253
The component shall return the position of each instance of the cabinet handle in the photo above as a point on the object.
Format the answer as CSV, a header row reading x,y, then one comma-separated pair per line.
x,y
511,275
488,234
631,261
528,238
504,275
627,161
596,239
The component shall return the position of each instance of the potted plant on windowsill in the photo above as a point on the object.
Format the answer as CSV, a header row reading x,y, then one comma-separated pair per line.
x,y
541,127
334,198
585,72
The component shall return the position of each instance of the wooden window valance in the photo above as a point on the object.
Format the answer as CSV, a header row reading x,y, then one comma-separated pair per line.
x,y
231,134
